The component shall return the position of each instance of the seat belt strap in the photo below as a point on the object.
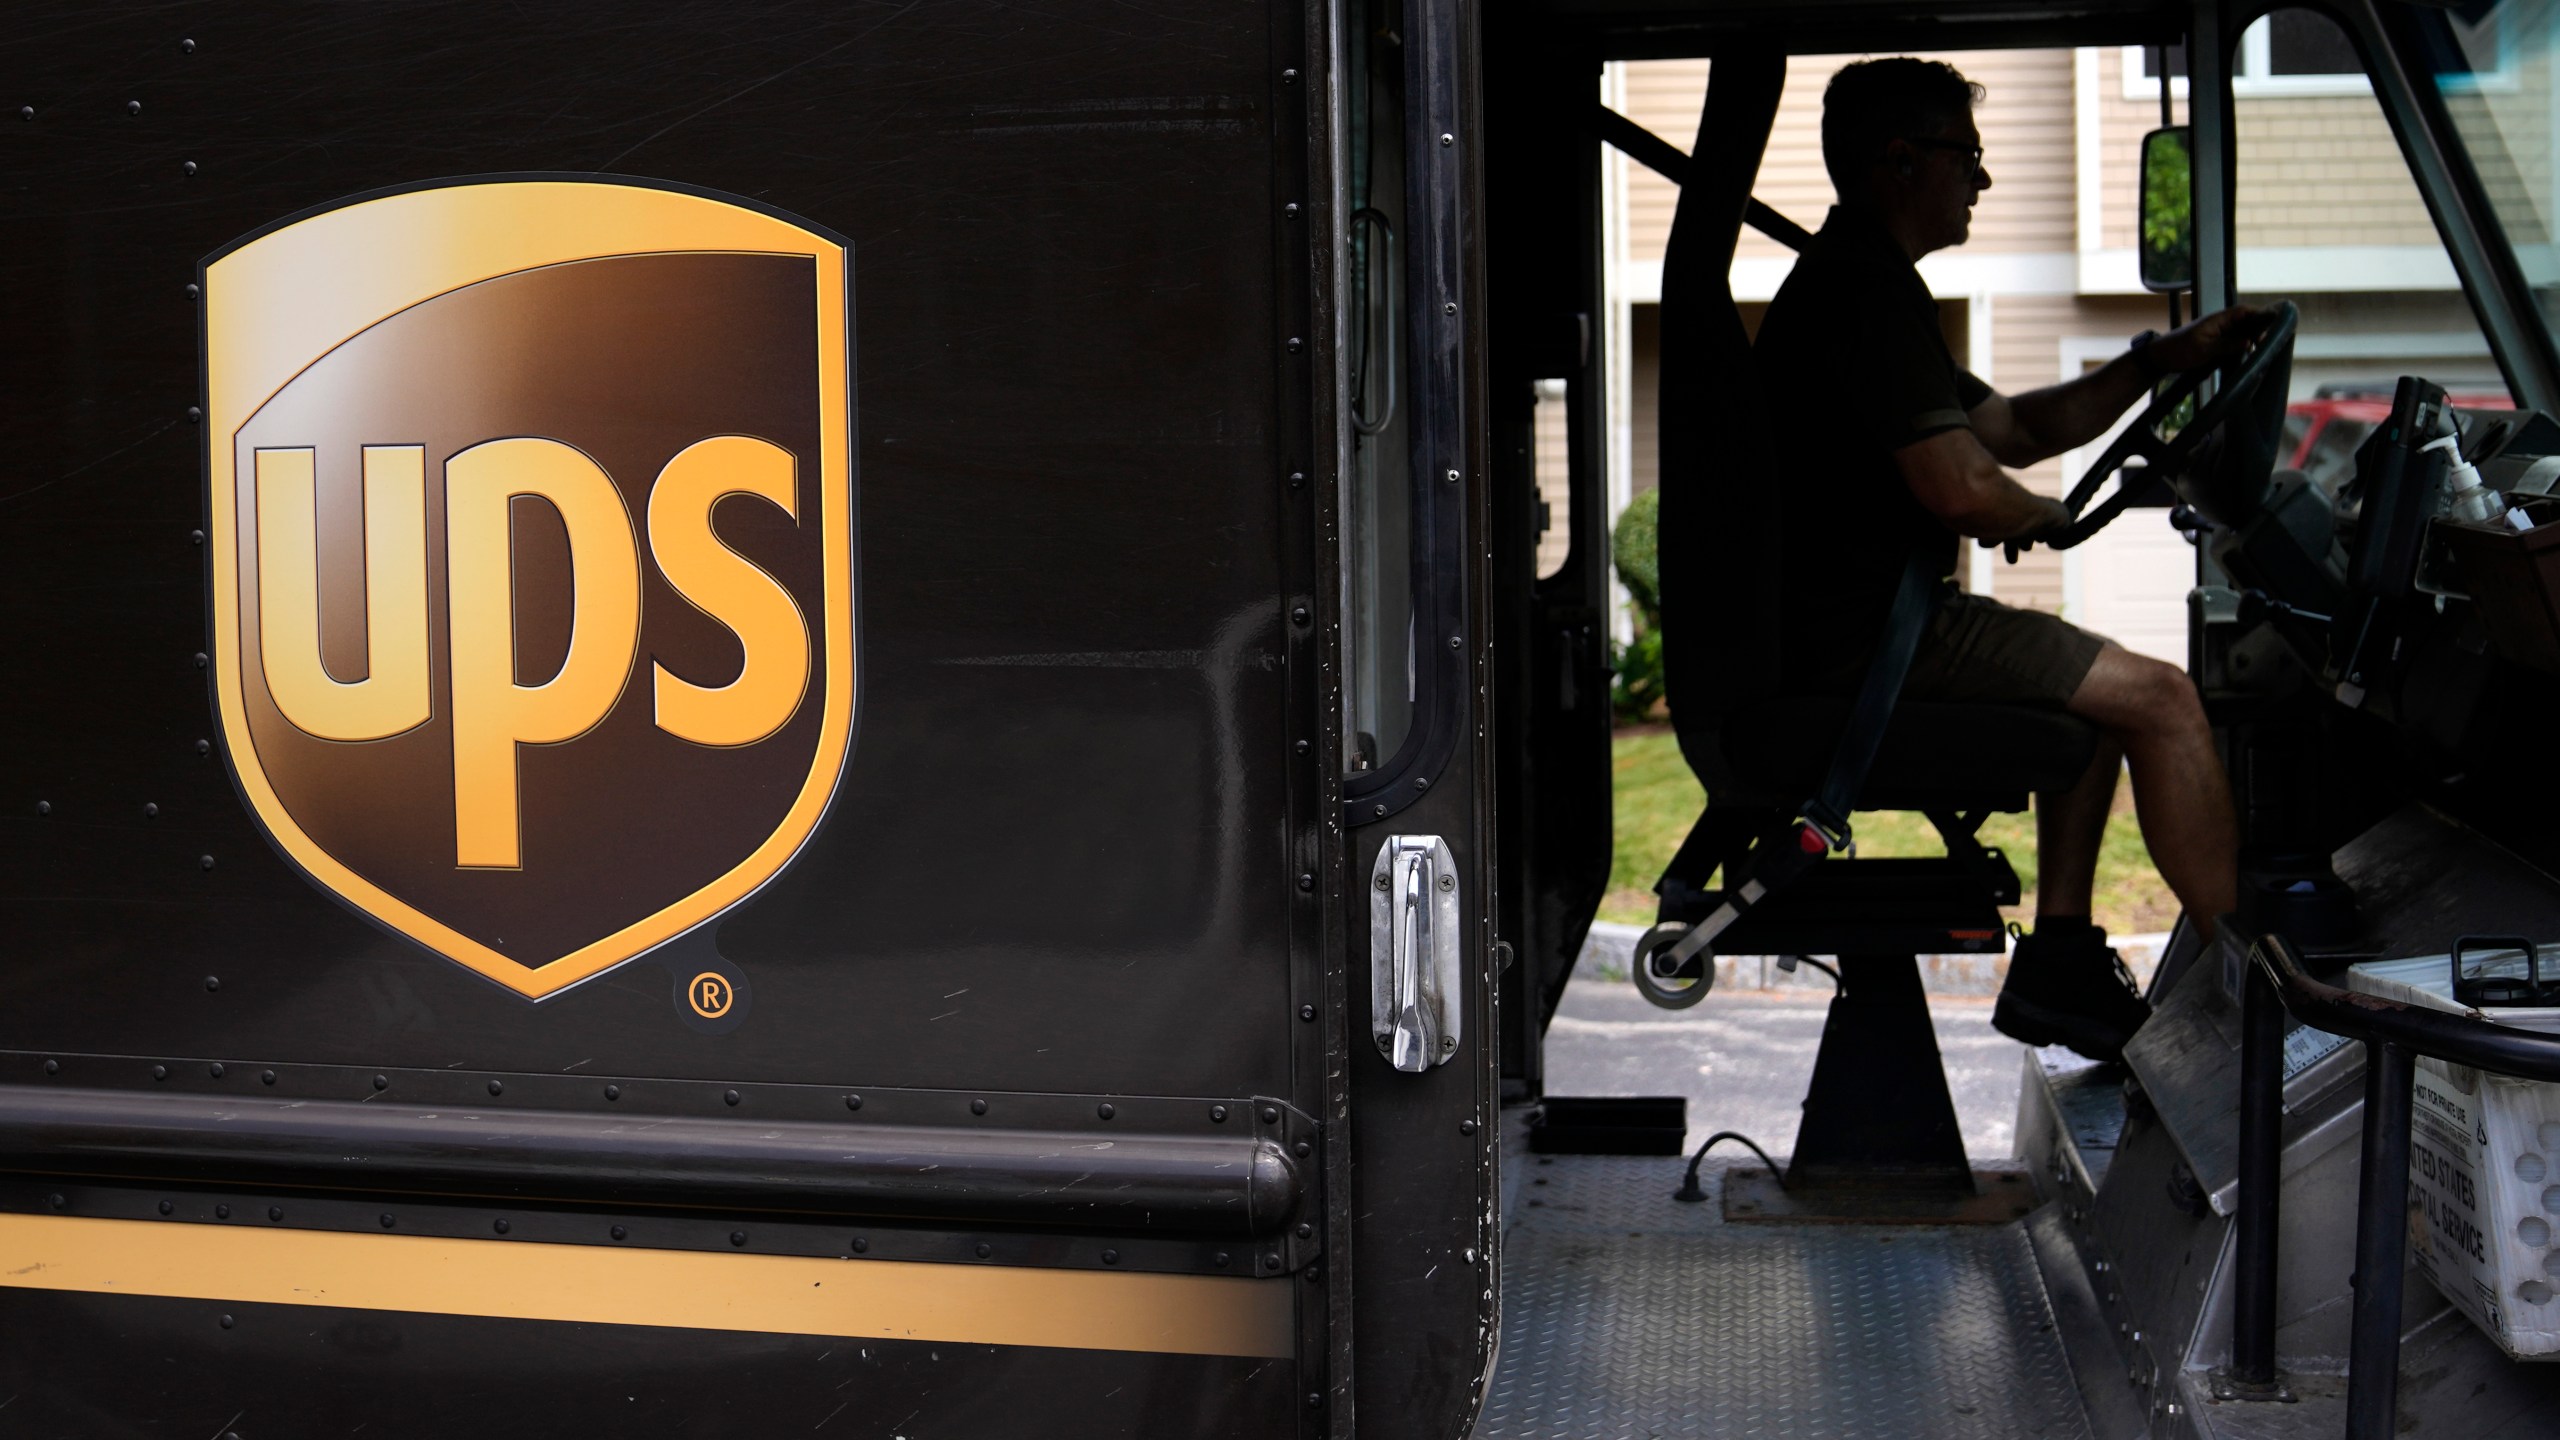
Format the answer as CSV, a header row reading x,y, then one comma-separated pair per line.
x,y
1915,600
1823,825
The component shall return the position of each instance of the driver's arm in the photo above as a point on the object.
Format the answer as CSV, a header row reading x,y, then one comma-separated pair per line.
x,y
2023,429
1959,481
2040,424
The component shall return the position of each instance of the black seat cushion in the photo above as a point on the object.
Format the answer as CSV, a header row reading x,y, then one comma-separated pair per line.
x,y
1933,755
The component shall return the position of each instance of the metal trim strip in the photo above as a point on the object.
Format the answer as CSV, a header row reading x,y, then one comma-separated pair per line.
x,y
687,1290
1161,1184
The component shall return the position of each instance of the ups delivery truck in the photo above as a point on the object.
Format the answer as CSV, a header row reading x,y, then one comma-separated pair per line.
x,y
839,718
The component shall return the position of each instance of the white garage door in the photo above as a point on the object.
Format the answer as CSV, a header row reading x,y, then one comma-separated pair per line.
x,y
2132,583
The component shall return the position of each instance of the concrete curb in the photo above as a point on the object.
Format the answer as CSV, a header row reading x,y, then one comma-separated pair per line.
x,y
1610,946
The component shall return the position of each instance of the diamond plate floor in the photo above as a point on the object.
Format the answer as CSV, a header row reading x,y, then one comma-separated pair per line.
x,y
1627,1315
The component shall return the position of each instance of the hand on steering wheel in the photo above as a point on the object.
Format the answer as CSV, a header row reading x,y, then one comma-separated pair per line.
x,y
2017,545
2208,340
2243,379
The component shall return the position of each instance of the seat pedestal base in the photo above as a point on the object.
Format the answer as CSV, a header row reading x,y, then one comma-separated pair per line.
x,y
1877,1115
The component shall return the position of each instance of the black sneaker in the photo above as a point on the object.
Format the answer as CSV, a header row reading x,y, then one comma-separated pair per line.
x,y
2070,990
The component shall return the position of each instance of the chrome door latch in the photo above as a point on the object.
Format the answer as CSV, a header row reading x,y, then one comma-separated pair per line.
x,y
1414,982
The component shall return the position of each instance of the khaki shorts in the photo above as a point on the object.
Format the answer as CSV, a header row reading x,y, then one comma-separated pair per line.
x,y
1979,651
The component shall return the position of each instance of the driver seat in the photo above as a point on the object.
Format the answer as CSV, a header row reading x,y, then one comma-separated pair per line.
x,y
1877,1109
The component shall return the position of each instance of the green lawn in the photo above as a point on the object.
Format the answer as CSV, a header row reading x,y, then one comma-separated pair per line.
x,y
1658,799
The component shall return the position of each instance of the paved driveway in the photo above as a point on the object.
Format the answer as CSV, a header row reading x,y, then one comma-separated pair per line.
x,y
1742,1057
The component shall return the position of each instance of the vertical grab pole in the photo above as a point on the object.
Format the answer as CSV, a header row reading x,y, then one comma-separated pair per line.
x,y
2253,1323
2382,1238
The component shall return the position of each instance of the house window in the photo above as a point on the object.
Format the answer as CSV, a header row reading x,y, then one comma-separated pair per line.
x,y
2290,52
2297,52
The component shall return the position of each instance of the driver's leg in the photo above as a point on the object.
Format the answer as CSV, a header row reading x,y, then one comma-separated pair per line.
x,y
2070,826
2180,794
2064,985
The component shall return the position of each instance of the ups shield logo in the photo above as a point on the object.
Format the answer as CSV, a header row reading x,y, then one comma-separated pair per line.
x,y
532,557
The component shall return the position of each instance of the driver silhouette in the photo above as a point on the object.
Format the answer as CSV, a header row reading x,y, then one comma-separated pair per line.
x,y
1903,451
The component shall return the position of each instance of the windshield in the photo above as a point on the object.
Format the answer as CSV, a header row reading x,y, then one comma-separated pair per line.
x,y
2492,61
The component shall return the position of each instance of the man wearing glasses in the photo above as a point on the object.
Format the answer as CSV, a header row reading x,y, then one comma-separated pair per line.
x,y
1895,449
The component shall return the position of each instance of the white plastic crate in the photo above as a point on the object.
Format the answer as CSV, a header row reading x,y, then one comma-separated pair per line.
x,y
2484,1163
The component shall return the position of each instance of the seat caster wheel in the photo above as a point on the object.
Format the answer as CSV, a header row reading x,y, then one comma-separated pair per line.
x,y
1669,984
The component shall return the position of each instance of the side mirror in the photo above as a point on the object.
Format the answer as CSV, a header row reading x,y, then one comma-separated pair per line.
x,y
2167,241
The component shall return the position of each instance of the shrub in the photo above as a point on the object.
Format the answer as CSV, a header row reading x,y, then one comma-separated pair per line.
x,y
1635,547
1637,693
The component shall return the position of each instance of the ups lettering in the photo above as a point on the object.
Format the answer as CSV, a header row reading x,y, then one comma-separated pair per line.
x,y
531,515
493,711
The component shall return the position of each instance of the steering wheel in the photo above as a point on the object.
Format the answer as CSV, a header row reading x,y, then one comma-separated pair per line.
x,y
2235,467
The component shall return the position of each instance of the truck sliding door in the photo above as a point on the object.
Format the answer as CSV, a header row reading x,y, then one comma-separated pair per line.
x,y
1416,774
666,762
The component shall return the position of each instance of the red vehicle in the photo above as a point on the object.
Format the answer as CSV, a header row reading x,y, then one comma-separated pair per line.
x,y
2321,434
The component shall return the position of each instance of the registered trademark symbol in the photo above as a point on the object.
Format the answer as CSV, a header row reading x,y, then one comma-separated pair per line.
x,y
710,995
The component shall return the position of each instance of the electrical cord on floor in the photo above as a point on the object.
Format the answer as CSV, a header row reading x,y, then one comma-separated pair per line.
x,y
1789,963
1689,1192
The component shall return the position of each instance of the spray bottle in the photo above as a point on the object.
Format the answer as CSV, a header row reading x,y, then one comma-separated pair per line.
x,y
2468,499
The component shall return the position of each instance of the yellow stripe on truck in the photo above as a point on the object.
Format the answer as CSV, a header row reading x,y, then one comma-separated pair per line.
x,y
680,1289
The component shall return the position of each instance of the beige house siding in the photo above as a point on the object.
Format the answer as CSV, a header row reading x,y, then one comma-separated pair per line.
x,y
2121,125
2313,169
1644,458
1551,463
2323,171
2026,134
2518,173
2045,273
2026,351
2027,148
1664,97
